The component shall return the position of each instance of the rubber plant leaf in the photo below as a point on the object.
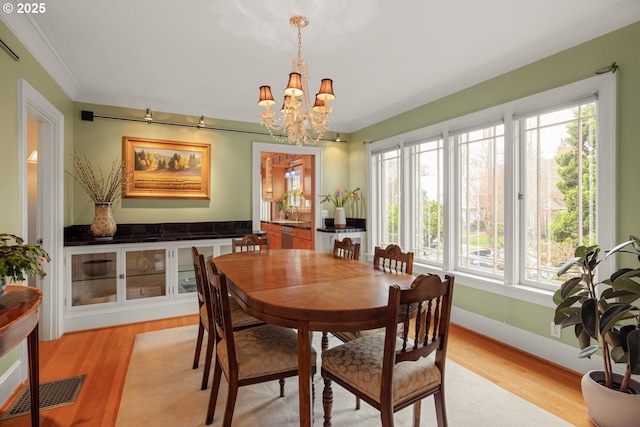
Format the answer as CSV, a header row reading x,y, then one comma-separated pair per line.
x,y
583,338
589,317
588,351
633,344
612,315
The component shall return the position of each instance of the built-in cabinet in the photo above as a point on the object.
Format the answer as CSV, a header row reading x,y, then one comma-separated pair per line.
x,y
287,237
274,233
122,283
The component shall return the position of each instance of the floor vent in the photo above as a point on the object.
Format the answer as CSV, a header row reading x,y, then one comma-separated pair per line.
x,y
52,395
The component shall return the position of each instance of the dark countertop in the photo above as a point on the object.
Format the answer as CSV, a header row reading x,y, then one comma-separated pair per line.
x,y
80,235
297,224
353,225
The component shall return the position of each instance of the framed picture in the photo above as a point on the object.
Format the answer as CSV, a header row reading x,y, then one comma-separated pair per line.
x,y
158,169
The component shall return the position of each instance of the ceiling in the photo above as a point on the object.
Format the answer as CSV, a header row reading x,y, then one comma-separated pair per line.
x,y
206,57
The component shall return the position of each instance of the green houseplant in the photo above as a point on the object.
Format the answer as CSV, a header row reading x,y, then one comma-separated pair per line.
x,y
19,260
605,317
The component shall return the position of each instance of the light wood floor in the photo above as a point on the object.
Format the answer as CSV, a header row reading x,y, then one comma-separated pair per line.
x,y
103,355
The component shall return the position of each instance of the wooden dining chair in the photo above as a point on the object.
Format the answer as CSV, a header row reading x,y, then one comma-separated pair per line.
x,y
241,319
346,248
397,371
250,243
250,356
392,259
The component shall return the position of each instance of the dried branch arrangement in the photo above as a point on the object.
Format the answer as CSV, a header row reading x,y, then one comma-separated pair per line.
x,y
102,189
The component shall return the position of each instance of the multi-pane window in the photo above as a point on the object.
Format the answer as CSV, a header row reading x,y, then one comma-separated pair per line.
x,y
385,168
505,200
427,173
481,199
559,191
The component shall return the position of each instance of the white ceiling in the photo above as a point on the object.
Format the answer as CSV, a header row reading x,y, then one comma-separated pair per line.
x,y
209,57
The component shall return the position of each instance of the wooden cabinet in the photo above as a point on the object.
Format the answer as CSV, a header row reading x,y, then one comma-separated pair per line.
x,y
274,233
302,238
307,177
267,179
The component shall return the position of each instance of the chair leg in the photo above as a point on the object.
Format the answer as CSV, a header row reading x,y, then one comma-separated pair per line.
x,y
325,341
416,413
196,357
281,387
215,387
231,402
441,409
386,415
327,402
211,343
357,403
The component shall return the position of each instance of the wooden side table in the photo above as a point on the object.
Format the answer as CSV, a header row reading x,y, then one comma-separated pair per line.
x,y
19,320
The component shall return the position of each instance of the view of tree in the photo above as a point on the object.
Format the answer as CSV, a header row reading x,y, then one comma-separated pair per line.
x,y
576,168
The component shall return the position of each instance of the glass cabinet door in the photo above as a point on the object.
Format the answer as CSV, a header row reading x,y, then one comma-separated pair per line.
x,y
145,273
186,276
93,278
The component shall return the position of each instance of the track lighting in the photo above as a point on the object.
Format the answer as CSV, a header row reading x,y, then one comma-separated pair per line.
x,y
148,116
201,123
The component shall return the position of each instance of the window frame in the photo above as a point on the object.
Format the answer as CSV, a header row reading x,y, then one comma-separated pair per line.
x,y
604,86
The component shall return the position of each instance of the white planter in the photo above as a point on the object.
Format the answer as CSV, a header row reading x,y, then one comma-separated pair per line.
x,y
607,407
340,218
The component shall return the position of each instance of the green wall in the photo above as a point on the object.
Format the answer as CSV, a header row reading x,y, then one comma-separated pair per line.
x,y
10,71
566,67
231,152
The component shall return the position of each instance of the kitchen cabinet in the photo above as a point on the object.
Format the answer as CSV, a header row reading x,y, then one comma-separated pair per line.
x,y
114,284
302,238
307,177
274,233
267,179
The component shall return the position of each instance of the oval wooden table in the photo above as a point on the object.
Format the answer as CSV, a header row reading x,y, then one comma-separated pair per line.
x,y
310,291
19,320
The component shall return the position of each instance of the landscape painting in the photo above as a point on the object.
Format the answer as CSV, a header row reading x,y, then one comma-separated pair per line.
x,y
158,169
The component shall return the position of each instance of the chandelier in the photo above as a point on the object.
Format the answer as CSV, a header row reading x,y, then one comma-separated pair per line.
x,y
298,115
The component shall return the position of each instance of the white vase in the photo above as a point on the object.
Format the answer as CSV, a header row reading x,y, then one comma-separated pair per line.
x,y
607,407
340,218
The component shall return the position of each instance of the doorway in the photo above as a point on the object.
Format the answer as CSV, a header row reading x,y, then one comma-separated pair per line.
x,y
40,129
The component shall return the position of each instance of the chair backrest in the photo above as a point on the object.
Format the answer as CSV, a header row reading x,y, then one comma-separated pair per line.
x,y
428,300
202,283
250,243
392,258
346,248
221,313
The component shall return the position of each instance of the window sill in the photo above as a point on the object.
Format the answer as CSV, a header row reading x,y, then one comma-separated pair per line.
x,y
529,294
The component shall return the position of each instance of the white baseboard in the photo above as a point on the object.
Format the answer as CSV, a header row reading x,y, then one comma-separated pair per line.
x,y
10,381
542,347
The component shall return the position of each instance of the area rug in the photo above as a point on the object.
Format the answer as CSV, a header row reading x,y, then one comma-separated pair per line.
x,y
162,389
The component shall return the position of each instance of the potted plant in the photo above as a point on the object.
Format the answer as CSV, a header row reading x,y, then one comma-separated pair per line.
x,y
19,260
339,198
605,317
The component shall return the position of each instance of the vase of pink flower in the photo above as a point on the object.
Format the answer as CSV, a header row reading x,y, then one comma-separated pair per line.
x,y
340,197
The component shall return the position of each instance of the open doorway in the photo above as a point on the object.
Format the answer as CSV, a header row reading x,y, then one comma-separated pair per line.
x,y
40,130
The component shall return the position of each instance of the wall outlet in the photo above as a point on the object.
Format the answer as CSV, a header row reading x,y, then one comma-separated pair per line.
x,y
556,330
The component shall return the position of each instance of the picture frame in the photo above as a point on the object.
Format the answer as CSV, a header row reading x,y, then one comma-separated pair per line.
x,y
161,169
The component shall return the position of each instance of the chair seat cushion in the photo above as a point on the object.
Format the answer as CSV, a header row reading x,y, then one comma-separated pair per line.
x,y
239,317
263,350
359,364
352,335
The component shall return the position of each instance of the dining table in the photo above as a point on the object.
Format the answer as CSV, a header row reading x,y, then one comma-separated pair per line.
x,y
309,290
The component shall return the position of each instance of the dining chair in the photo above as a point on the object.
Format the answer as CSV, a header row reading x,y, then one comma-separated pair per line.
x,y
250,243
346,248
392,259
250,356
241,319
397,371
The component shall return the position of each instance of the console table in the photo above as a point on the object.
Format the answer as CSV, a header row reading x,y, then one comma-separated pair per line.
x,y
19,320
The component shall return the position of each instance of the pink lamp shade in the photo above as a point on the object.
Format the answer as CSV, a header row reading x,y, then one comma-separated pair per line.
x,y
326,90
266,99
319,105
294,87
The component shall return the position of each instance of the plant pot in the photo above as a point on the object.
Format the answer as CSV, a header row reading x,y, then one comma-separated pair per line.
x,y
607,407
103,226
340,218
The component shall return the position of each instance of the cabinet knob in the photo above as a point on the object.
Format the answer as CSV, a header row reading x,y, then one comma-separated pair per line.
x,y
121,276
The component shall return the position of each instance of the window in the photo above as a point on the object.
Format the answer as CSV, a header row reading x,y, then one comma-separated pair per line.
x,y
480,197
426,166
504,200
559,191
385,168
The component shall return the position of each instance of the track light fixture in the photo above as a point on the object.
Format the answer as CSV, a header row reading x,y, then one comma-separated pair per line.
x,y
201,123
148,117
